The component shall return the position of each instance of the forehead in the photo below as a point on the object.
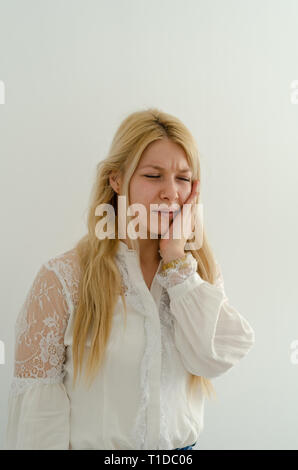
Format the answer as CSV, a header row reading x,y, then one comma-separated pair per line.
x,y
165,153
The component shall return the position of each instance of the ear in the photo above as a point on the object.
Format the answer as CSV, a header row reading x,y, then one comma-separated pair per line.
x,y
115,181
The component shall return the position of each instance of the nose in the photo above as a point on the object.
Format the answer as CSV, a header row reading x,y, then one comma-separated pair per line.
x,y
169,192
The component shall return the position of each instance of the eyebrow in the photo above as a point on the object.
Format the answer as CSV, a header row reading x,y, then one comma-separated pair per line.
x,y
183,170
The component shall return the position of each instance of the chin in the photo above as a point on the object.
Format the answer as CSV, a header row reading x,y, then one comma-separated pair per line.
x,y
156,231
157,235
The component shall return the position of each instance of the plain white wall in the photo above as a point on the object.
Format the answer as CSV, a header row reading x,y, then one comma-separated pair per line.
x,y
73,69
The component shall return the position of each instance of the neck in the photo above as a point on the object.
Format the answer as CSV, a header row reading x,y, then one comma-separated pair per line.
x,y
149,254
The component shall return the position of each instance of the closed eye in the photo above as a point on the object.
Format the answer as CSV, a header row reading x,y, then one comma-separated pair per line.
x,y
157,176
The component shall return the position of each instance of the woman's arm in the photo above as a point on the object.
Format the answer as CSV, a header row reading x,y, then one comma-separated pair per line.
x,y
210,334
38,405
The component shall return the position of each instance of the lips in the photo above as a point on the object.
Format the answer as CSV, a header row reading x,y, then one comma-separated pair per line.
x,y
166,212
169,214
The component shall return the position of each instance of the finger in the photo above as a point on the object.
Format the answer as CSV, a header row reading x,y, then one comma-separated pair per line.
x,y
187,218
187,215
197,187
194,192
193,200
194,217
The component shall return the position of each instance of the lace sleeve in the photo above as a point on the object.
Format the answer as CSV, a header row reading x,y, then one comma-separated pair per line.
x,y
177,270
39,334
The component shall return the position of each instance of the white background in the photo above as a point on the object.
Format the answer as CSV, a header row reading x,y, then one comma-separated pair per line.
x,y
73,70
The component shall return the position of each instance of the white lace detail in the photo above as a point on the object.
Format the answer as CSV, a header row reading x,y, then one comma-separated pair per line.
x,y
133,295
41,323
20,385
140,427
68,271
167,343
130,291
179,272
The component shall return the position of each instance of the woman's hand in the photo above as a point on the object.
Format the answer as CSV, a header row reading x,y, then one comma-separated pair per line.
x,y
171,248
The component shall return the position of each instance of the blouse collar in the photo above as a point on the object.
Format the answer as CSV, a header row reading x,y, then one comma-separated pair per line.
x,y
123,248
131,258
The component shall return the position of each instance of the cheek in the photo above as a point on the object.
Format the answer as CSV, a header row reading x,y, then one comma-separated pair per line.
x,y
140,192
143,191
133,190
185,193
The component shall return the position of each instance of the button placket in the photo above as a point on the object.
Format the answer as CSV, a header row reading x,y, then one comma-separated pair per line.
x,y
146,434
153,351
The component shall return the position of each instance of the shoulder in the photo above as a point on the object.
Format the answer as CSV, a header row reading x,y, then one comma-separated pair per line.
x,y
52,294
66,261
66,267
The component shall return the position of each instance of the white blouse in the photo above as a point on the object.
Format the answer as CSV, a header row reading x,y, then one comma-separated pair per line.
x,y
139,399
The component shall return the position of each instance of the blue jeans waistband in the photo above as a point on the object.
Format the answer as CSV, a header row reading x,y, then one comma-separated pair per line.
x,y
187,447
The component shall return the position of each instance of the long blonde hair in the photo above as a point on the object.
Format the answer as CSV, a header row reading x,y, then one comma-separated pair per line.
x,y
100,282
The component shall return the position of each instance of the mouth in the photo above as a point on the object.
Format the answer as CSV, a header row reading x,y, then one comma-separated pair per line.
x,y
170,214
166,212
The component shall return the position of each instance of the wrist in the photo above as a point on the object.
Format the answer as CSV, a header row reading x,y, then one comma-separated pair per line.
x,y
168,257
176,262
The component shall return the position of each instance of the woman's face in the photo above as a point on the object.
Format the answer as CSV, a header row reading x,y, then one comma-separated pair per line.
x,y
169,186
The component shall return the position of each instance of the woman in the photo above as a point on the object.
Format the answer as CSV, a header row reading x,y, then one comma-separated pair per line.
x,y
148,321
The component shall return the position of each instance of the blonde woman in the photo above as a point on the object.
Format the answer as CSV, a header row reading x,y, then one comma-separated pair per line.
x,y
118,339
